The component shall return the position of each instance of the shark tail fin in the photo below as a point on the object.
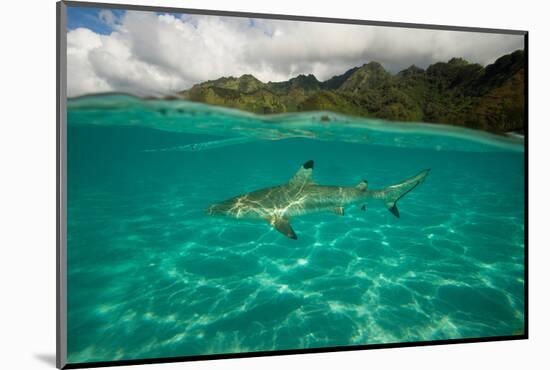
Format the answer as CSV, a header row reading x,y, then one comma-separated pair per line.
x,y
395,192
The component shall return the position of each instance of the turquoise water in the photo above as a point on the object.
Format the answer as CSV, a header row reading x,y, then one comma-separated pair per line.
x,y
150,274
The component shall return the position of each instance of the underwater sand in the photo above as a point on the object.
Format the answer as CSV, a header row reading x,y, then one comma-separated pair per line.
x,y
150,274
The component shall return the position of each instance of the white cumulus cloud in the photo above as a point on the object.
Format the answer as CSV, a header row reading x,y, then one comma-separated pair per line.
x,y
149,53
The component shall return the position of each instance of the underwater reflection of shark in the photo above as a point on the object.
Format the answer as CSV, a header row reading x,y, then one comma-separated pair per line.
x,y
302,196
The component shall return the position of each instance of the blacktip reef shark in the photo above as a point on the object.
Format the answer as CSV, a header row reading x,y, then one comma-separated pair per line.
x,y
301,195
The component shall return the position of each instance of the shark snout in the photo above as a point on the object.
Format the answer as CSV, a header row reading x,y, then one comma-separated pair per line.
x,y
217,209
212,210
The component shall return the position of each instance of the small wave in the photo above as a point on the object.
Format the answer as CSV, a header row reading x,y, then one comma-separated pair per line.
x,y
197,147
189,117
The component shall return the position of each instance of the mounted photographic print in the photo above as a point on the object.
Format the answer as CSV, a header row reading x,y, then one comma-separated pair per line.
x,y
234,184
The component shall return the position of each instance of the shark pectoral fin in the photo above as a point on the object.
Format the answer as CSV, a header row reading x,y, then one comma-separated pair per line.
x,y
338,210
282,225
392,207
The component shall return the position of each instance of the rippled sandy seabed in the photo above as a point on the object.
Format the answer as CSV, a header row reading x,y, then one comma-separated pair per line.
x,y
151,275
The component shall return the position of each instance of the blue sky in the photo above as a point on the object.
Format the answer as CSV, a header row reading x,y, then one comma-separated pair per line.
x,y
89,18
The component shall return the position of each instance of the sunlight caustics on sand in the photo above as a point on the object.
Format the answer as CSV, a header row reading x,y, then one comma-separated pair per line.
x,y
150,274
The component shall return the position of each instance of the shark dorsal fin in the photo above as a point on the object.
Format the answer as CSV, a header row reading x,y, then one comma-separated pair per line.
x,y
363,185
304,176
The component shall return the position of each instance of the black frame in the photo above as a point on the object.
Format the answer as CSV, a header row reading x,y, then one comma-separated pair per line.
x,y
61,170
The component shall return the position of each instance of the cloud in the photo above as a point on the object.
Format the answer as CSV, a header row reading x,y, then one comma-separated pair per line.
x,y
108,17
149,53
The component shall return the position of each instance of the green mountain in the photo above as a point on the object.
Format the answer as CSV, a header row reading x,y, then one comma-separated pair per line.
x,y
457,92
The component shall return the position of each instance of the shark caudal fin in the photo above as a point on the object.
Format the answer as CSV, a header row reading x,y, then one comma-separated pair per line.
x,y
393,193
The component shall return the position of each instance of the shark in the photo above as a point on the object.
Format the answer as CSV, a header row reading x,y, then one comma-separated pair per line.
x,y
302,195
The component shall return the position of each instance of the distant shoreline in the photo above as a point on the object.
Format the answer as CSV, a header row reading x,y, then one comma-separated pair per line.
x,y
457,92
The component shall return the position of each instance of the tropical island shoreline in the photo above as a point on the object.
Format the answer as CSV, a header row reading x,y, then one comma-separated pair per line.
x,y
458,93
